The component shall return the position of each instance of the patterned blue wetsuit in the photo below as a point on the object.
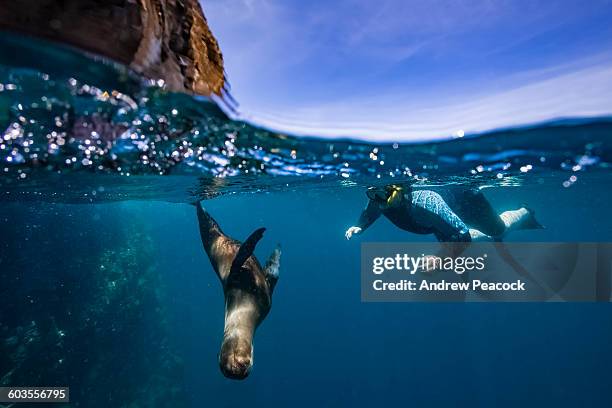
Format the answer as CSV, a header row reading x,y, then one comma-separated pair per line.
x,y
428,212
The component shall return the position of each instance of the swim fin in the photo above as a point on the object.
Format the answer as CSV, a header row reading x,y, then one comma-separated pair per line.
x,y
530,221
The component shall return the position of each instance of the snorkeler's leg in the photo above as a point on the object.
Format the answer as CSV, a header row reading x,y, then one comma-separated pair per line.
x,y
431,211
479,236
476,211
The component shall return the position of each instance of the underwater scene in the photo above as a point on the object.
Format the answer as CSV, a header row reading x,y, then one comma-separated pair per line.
x,y
134,269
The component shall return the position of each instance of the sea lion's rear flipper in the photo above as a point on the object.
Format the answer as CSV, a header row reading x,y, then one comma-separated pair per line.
x,y
272,268
209,229
247,248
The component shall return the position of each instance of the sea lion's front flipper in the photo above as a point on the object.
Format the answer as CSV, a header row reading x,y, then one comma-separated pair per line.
x,y
247,248
272,268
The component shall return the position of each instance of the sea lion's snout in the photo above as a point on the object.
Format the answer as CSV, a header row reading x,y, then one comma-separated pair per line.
x,y
236,358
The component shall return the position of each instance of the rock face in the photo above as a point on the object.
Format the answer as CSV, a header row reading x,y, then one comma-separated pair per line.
x,y
95,316
160,39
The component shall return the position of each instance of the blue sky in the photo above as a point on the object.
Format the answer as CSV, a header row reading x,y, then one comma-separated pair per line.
x,y
407,70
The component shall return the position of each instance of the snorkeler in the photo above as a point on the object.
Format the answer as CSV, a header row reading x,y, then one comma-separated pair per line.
x,y
462,215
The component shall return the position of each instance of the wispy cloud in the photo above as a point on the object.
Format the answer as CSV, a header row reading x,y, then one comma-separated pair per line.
x,y
587,92
397,70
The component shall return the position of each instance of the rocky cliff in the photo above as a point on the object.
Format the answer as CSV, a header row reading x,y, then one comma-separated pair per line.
x,y
160,39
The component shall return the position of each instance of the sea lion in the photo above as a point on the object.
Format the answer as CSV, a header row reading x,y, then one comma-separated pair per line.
x,y
247,288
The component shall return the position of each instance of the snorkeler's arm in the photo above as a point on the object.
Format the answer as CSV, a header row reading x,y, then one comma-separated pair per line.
x,y
367,218
369,215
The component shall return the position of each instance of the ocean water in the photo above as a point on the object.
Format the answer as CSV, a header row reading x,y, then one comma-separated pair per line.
x,y
106,287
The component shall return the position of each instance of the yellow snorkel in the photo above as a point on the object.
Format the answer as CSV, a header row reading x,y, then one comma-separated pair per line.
x,y
387,196
395,195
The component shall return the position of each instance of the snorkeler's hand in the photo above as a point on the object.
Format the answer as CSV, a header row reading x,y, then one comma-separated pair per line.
x,y
429,263
353,230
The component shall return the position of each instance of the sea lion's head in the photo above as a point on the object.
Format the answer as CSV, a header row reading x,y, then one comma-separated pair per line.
x,y
245,309
236,357
248,298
